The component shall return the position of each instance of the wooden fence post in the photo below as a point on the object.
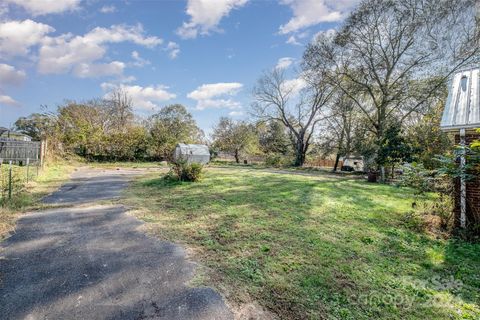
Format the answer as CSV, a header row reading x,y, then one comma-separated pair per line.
x,y
10,180
28,167
42,155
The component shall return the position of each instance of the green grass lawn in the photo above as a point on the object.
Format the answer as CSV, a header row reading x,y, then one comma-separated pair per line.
x,y
313,247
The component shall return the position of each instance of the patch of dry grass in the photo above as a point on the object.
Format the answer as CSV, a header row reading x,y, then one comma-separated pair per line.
x,y
26,196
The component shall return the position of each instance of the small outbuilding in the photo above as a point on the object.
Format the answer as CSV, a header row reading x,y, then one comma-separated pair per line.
x,y
192,153
461,117
354,162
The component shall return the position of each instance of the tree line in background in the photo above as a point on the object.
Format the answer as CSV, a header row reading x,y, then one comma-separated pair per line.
x,y
374,88
107,129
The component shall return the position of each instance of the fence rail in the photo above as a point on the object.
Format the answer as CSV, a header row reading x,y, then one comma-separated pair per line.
x,y
20,151
323,163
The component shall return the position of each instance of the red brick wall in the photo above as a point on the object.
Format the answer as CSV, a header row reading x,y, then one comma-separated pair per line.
x,y
473,192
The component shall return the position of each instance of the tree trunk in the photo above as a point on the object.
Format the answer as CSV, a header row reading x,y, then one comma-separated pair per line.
x,y
340,145
237,157
337,160
299,153
380,166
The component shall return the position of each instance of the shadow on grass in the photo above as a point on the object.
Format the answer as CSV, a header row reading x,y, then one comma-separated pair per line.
x,y
94,264
307,247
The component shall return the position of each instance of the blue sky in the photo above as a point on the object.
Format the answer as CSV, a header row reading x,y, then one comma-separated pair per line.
x,y
205,54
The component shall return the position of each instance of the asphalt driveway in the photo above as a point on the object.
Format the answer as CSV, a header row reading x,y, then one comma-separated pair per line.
x,y
90,261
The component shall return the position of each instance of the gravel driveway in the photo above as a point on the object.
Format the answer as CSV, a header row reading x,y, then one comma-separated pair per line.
x,y
89,261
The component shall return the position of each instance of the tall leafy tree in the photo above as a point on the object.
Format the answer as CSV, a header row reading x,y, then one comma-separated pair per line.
x,y
273,138
36,125
81,128
394,148
423,132
173,124
235,137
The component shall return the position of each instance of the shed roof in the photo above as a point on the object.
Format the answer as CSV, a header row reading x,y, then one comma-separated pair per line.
x,y
198,149
462,110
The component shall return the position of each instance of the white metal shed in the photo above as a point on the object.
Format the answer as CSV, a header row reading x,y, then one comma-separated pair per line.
x,y
198,153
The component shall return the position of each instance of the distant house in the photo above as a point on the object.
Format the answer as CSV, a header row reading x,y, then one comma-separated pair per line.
x,y
6,134
191,153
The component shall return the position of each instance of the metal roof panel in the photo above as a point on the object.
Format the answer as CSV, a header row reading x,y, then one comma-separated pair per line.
x,y
462,109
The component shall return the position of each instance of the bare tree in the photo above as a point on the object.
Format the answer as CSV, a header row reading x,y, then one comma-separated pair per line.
x,y
391,57
120,109
295,103
342,124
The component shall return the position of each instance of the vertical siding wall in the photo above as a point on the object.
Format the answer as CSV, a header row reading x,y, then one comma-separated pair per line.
x,y
19,151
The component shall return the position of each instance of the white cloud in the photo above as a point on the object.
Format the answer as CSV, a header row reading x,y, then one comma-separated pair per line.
x,y
9,101
294,85
214,95
207,91
144,98
139,61
42,7
17,37
122,33
64,53
10,76
293,40
235,113
217,104
127,79
61,54
205,15
108,9
284,63
87,70
307,13
173,49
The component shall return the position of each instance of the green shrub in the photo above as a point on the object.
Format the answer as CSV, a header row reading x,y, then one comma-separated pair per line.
x,y
417,177
276,160
183,171
192,172
431,182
